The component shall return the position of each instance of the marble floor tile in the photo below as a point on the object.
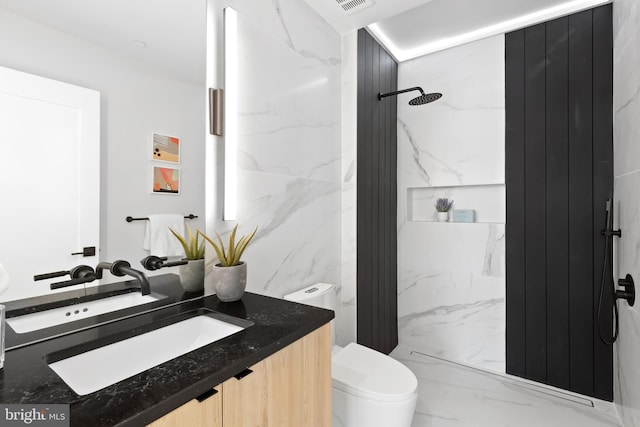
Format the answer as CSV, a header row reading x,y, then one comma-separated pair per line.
x,y
453,395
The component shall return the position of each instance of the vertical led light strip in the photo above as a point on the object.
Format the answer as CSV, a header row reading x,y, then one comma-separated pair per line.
x,y
231,114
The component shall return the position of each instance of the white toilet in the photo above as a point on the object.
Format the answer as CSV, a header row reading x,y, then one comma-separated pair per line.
x,y
370,389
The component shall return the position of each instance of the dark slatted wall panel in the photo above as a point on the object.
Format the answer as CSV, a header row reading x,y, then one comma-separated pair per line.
x,y
603,176
514,177
580,202
534,201
557,202
377,318
559,175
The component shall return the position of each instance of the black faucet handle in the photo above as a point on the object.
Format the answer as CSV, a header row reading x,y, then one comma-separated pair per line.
x,y
153,262
629,292
611,232
82,272
79,275
50,275
174,263
72,282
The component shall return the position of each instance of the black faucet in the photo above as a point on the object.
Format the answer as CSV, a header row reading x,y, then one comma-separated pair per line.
x,y
121,268
79,275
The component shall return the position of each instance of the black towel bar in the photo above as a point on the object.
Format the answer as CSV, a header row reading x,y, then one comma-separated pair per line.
x,y
130,218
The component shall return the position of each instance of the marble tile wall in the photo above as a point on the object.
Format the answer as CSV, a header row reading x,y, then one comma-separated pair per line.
x,y
290,154
459,139
451,275
626,149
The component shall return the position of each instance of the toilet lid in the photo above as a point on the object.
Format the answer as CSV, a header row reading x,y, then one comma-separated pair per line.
x,y
370,374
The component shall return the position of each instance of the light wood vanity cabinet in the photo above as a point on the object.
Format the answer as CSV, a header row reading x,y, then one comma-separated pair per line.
x,y
194,414
289,388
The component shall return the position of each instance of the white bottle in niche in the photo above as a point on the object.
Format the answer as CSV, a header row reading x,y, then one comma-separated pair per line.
x,y
443,216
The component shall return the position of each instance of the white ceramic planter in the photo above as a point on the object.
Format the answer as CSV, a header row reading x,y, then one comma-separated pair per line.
x,y
192,275
443,216
229,283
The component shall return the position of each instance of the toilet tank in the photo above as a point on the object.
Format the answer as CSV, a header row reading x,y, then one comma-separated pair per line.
x,y
323,295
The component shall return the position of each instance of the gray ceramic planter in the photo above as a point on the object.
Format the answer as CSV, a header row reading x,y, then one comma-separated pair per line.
x,y
229,282
192,275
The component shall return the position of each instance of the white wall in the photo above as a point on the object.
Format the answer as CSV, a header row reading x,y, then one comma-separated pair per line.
x,y
451,283
626,151
290,158
135,101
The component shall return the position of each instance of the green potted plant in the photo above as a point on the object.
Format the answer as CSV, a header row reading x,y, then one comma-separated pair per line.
x,y
443,205
229,274
192,273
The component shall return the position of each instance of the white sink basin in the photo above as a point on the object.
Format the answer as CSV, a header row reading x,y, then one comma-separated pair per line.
x,y
96,369
57,316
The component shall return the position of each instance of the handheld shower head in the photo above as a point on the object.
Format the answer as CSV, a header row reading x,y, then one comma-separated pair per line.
x,y
424,98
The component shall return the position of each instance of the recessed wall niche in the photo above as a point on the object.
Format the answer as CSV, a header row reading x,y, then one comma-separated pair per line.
x,y
488,200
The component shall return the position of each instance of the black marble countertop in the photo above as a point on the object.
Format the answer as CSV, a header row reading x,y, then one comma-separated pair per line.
x,y
27,379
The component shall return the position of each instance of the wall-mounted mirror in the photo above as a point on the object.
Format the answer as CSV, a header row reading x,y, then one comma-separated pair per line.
x,y
147,61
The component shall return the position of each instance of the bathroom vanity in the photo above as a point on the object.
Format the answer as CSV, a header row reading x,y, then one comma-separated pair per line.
x,y
276,371
288,388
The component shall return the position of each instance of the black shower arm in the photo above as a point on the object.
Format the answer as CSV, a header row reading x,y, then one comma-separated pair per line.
x,y
384,95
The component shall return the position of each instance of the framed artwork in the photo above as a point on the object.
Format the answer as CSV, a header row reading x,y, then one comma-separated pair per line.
x,y
165,180
165,148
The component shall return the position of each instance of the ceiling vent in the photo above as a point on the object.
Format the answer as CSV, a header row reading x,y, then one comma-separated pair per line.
x,y
350,7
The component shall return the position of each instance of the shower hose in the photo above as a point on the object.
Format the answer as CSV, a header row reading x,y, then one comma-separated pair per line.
x,y
608,256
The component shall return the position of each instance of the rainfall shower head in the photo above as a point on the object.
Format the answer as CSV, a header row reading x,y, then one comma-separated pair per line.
x,y
425,98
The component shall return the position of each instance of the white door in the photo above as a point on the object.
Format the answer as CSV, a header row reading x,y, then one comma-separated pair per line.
x,y
50,179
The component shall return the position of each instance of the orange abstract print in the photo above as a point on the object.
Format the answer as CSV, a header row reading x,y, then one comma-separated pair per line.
x,y
166,180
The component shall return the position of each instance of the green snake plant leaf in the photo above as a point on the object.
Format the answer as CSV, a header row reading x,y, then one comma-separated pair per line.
x,y
215,247
231,255
183,242
238,251
242,245
223,260
193,243
200,248
197,245
190,245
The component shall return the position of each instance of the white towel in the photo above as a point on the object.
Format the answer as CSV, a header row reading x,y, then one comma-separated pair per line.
x,y
158,240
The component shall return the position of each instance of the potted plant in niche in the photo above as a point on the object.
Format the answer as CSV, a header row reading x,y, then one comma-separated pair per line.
x,y
229,274
192,273
443,205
